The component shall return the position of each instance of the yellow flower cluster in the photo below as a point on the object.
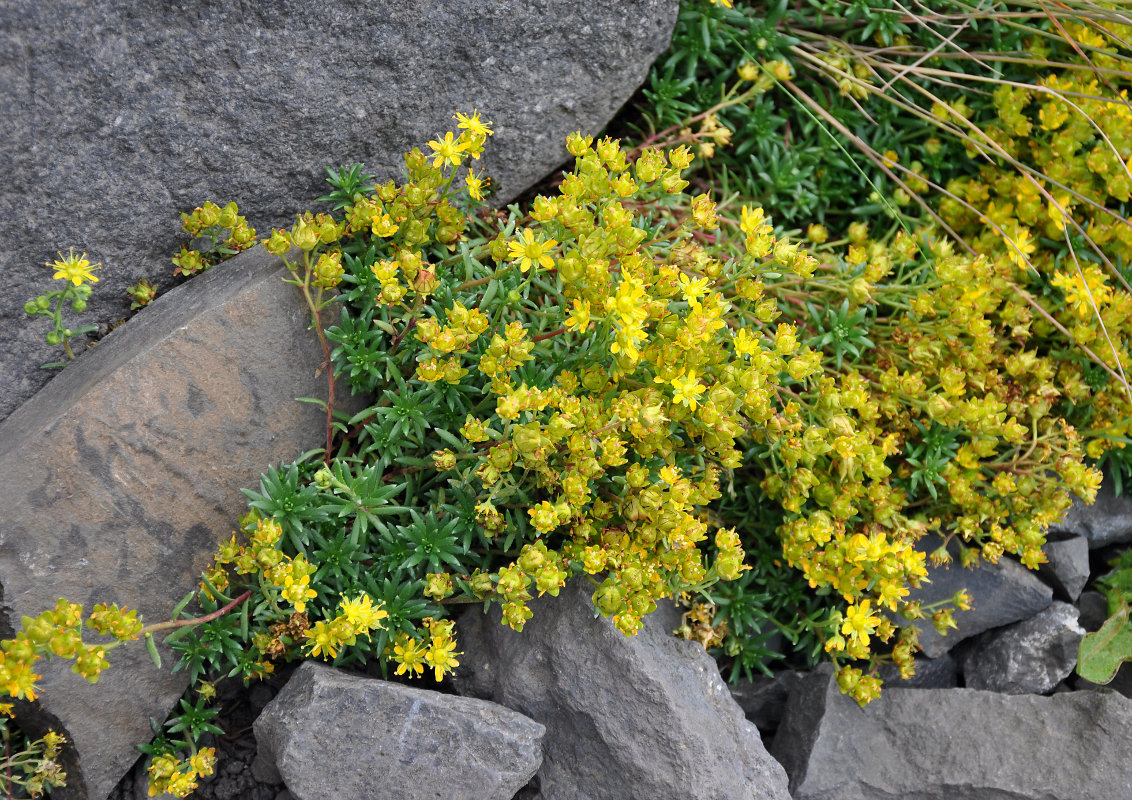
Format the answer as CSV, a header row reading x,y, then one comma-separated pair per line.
x,y
170,775
438,653
1071,134
357,617
604,445
58,632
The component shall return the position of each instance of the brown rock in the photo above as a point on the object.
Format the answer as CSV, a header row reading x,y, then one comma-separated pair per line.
x,y
122,474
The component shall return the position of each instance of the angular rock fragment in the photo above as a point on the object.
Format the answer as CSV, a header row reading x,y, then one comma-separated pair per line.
x,y
1001,593
332,734
644,716
1107,521
1068,567
122,475
954,744
1028,657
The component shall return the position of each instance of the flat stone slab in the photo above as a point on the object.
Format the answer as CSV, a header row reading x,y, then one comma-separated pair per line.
x,y
333,734
117,117
955,744
123,473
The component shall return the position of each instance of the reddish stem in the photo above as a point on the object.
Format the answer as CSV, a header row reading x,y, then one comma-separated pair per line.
x,y
182,623
550,335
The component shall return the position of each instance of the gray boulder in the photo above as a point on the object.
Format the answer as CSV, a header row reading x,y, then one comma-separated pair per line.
x,y
1028,657
646,716
1068,567
117,117
1001,593
122,475
955,744
332,734
1106,521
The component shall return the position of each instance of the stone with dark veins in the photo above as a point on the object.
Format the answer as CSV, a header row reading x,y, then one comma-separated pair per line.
x,y
125,471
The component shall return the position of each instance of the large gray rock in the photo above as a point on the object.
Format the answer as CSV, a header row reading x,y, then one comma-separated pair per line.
x,y
332,734
955,744
1001,593
121,475
1028,657
117,117
1106,521
646,716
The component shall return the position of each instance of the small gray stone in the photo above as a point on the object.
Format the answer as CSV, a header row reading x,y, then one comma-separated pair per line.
x,y
122,475
764,698
1107,521
642,716
1028,657
955,744
1000,594
117,117
1092,608
264,769
1068,567
333,734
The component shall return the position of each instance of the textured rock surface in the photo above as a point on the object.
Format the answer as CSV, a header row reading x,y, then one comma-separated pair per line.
x,y
955,744
1106,521
1068,567
1001,593
646,716
1031,656
120,476
117,117
931,673
332,734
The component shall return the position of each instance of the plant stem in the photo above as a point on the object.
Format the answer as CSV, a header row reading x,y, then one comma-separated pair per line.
x,y
184,623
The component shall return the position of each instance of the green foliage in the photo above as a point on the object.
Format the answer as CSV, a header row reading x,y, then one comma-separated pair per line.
x,y
218,234
1103,651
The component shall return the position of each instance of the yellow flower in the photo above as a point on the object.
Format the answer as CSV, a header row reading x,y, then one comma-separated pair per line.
x,y
408,657
440,656
361,614
529,251
579,318
203,761
693,290
724,3
475,186
687,389
859,622
322,640
1085,290
447,151
75,269
473,124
